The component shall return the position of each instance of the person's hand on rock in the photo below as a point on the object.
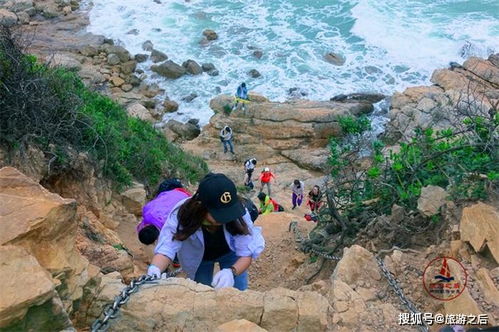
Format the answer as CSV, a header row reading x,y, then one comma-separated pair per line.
x,y
224,278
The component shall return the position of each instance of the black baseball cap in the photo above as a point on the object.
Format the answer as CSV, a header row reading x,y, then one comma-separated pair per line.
x,y
218,193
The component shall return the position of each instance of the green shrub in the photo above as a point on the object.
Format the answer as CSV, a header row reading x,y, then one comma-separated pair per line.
x,y
52,109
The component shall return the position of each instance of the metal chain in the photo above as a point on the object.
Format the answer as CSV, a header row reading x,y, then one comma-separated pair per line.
x,y
293,226
111,311
399,292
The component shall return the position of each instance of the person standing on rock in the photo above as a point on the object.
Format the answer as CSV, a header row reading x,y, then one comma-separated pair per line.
x,y
297,197
241,97
249,167
210,227
155,212
265,179
226,138
315,199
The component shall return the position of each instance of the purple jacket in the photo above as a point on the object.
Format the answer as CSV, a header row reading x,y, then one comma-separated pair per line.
x,y
157,211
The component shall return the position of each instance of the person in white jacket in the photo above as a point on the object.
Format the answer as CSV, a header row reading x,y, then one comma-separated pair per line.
x,y
211,227
226,138
297,197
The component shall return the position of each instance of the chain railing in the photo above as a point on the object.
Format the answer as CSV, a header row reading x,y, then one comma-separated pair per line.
x,y
111,311
299,238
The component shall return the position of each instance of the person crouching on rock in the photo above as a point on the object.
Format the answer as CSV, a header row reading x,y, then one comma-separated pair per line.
x,y
210,227
268,205
315,199
155,212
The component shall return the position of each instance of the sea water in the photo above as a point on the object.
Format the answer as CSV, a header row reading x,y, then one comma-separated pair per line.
x,y
387,45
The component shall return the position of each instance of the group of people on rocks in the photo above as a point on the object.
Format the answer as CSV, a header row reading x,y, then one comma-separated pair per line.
x,y
213,225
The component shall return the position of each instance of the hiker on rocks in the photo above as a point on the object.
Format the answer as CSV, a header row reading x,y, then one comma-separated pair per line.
x,y
226,138
315,199
297,197
249,167
241,97
155,212
268,205
265,179
210,227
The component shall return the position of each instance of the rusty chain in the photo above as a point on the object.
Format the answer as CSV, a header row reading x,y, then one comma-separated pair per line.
x,y
299,238
111,311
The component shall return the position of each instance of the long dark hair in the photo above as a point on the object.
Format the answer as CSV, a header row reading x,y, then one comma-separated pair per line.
x,y
192,214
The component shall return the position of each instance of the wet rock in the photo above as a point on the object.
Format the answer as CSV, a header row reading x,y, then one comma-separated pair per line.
x,y
192,67
194,122
170,106
23,17
431,200
297,92
334,58
208,67
187,131
48,10
147,46
134,80
138,111
7,18
158,56
254,73
150,90
210,34
121,52
113,59
258,54
65,60
190,97
117,81
134,32
126,87
213,72
371,98
88,51
141,57
128,67
169,69
480,227
21,5
494,59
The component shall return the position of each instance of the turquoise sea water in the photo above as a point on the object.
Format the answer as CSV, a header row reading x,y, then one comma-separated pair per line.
x,y
388,45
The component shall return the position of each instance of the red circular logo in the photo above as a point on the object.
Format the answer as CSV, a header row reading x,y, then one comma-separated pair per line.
x,y
445,278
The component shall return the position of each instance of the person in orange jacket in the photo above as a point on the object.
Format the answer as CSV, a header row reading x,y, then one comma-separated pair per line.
x,y
265,178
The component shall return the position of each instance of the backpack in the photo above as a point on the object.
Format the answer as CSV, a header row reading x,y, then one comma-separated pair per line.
x,y
266,177
252,209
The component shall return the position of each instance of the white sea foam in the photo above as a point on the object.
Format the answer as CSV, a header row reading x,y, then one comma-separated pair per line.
x,y
388,45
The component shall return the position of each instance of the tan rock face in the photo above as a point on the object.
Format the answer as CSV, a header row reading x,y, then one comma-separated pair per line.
x,y
480,227
431,199
241,325
181,304
134,198
44,225
36,287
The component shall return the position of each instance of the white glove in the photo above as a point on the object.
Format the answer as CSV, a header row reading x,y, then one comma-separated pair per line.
x,y
154,271
224,278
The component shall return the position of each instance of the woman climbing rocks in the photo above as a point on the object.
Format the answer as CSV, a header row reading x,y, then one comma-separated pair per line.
x,y
315,199
297,197
210,227
265,178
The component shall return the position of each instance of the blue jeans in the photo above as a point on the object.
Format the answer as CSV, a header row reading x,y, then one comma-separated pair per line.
x,y
229,143
204,274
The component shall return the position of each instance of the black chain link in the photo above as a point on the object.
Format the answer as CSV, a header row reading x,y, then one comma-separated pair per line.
x,y
111,311
299,238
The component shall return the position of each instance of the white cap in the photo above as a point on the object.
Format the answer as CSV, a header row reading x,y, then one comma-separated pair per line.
x,y
266,169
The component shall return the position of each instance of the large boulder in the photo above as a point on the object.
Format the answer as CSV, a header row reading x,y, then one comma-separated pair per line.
x,y
240,325
480,227
431,200
210,34
192,67
158,56
169,69
187,130
134,198
120,51
7,18
182,304
138,111
44,225
67,61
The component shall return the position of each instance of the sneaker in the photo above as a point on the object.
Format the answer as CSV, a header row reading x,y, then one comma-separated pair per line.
x,y
176,265
293,207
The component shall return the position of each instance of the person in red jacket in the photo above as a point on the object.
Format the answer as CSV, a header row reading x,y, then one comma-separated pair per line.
x,y
265,178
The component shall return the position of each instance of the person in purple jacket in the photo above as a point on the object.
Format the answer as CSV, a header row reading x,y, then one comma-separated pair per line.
x,y
156,212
